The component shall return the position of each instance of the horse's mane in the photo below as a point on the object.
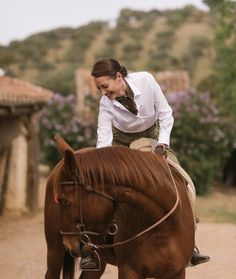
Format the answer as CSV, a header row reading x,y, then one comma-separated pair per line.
x,y
120,166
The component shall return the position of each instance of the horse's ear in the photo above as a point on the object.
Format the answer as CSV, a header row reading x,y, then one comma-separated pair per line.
x,y
62,145
70,162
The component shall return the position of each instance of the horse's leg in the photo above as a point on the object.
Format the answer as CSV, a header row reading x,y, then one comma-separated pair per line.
x,y
55,259
93,274
180,275
126,272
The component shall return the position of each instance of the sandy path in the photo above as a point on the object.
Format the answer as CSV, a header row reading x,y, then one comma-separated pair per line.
x,y
23,250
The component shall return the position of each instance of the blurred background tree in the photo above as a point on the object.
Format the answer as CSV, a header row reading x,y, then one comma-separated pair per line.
x,y
222,83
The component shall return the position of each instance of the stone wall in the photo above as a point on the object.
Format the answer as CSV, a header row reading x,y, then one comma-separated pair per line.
x,y
17,176
14,166
85,88
173,81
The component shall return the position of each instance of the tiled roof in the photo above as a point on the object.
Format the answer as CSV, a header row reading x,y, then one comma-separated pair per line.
x,y
15,92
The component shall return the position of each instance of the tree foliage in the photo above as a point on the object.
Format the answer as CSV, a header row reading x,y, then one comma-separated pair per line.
x,y
224,81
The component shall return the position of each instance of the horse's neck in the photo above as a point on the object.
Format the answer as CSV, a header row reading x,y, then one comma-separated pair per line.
x,y
148,201
133,220
160,192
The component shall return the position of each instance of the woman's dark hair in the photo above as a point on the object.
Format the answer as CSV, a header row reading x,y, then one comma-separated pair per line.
x,y
108,67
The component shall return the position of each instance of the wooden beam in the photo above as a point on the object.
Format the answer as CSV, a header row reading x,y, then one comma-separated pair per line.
x,y
4,164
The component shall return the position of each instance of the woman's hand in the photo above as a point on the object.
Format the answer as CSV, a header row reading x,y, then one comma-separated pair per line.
x,y
161,150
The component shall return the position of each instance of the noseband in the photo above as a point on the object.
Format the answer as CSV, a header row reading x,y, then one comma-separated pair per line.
x,y
81,226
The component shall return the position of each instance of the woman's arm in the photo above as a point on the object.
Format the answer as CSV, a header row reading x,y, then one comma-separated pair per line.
x,y
104,130
163,112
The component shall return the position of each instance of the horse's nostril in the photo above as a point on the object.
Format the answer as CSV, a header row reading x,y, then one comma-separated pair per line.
x,y
67,249
74,252
75,255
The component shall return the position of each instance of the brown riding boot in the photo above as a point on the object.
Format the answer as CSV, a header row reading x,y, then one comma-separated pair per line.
x,y
198,258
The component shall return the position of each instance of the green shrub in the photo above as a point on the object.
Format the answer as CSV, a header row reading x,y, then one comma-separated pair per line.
x,y
180,16
113,39
158,60
131,52
58,81
7,56
201,137
81,39
198,47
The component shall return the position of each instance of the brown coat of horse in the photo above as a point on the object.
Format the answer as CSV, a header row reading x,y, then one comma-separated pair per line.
x,y
143,191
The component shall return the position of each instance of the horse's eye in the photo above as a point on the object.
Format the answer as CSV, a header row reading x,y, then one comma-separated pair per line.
x,y
63,201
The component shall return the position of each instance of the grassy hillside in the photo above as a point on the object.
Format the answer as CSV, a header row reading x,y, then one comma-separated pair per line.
x,y
172,39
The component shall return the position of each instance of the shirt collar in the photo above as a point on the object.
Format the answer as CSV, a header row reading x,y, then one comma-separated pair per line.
x,y
134,88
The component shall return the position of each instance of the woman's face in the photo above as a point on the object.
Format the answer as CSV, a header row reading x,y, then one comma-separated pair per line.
x,y
111,87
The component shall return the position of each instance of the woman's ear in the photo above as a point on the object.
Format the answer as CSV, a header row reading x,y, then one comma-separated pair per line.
x,y
118,75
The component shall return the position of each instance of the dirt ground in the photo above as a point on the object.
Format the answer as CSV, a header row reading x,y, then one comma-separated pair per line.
x,y
23,249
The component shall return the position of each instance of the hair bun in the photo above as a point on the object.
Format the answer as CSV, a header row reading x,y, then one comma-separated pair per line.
x,y
123,71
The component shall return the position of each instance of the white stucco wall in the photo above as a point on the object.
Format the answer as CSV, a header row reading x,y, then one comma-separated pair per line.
x,y
17,179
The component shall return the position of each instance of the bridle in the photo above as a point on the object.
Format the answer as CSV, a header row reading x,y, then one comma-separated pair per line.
x,y
79,185
82,228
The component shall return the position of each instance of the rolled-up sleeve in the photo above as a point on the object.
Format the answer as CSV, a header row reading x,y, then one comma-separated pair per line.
x,y
104,130
163,113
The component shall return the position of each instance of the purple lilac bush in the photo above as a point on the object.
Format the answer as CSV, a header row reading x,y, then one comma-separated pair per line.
x,y
201,137
59,118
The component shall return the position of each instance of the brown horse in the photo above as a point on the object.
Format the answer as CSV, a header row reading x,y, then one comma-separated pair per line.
x,y
137,190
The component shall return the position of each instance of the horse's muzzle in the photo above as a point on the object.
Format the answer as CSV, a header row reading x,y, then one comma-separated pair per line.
x,y
72,244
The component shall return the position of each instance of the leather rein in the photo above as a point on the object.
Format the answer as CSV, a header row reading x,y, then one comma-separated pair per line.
x,y
81,226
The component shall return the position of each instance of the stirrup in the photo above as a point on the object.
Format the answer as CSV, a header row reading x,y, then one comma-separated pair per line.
x,y
98,262
204,258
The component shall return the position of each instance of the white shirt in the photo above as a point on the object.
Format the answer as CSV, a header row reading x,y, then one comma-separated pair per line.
x,y
151,104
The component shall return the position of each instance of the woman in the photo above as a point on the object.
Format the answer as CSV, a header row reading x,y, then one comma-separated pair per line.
x,y
132,107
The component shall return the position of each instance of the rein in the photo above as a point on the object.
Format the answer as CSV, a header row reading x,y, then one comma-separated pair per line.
x,y
105,246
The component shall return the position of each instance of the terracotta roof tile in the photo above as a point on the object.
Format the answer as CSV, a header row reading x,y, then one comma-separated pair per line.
x,y
15,92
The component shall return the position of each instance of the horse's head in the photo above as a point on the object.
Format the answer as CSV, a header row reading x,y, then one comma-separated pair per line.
x,y
82,207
